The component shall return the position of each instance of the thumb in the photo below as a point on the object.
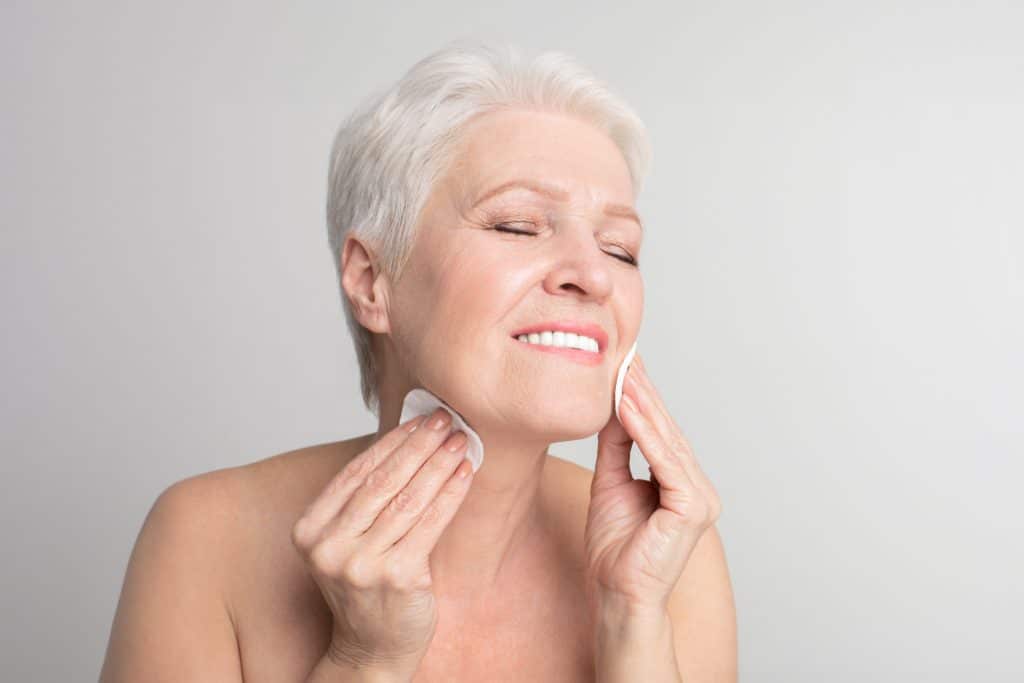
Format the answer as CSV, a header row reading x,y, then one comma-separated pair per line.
x,y
613,447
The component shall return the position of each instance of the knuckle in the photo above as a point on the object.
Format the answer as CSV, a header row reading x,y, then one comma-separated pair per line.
x,y
355,469
325,559
378,481
432,514
440,462
301,534
394,575
337,484
700,512
693,510
403,503
357,572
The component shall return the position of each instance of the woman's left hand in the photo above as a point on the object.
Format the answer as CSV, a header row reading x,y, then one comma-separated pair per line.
x,y
639,534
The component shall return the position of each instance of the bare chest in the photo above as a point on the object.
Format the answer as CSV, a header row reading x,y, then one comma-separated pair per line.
x,y
540,631
283,634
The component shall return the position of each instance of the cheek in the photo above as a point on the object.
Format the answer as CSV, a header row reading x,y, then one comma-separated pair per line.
x,y
479,286
638,308
628,309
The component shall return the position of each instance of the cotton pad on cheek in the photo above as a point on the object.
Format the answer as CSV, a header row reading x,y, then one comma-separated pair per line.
x,y
422,402
621,377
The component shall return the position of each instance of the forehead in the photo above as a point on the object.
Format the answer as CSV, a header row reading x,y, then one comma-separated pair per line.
x,y
547,147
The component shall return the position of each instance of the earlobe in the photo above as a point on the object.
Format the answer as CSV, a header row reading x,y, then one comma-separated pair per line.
x,y
365,285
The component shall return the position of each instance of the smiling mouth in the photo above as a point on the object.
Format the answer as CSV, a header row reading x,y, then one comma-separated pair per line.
x,y
567,352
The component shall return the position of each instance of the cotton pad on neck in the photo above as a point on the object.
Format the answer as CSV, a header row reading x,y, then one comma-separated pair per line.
x,y
621,377
422,402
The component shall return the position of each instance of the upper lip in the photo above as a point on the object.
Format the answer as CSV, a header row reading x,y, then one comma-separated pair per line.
x,y
584,328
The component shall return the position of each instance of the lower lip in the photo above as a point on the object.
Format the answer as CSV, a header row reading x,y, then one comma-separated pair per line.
x,y
578,355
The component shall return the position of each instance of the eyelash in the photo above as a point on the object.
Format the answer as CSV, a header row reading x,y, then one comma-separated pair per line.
x,y
503,227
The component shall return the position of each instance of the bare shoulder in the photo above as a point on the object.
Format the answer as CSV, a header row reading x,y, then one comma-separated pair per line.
x,y
228,517
172,615
289,476
196,513
213,550
224,501
266,497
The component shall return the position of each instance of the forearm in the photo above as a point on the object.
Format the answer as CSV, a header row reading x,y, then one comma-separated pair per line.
x,y
631,647
329,671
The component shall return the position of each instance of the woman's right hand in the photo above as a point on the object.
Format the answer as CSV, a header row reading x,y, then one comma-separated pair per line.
x,y
367,539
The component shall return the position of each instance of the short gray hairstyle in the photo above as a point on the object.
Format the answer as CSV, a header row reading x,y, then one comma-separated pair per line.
x,y
389,152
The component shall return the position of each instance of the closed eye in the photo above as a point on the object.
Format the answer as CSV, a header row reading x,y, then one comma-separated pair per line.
x,y
503,227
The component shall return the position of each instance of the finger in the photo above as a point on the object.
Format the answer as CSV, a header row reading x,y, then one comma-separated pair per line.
x,y
338,490
676,441
674,432
645,380
404,510
613,448
393,474
662,461
651,405
648,408
658,414
418,543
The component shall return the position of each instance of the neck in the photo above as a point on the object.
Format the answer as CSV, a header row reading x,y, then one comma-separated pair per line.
x,y
498,522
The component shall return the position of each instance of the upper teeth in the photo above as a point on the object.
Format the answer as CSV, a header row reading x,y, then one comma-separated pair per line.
x,y
568,339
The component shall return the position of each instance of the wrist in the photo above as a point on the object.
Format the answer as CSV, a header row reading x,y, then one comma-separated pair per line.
x,y
634,643
334,669
617,613
629,632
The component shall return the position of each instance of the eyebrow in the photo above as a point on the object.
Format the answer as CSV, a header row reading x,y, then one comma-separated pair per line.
x,y
558,194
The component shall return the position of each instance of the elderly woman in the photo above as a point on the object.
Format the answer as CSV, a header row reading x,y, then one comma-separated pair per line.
x,y
481,219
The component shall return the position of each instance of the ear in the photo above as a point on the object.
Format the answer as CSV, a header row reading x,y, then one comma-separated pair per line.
x,y
365,285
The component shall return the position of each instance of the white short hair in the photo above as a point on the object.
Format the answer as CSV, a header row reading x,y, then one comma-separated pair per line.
x,y
388,153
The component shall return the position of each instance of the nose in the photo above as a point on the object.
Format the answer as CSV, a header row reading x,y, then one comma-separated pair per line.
x,y
579,265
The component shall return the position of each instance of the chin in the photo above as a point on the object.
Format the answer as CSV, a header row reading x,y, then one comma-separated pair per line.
x,y
566,421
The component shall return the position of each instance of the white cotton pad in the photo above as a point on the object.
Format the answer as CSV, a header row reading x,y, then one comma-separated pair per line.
x,y
422,402
621,377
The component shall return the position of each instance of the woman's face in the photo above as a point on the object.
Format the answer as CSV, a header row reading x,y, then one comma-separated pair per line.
x,y
468,288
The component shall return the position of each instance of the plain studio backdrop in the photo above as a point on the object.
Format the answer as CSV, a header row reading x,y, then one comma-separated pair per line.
x,y
834,271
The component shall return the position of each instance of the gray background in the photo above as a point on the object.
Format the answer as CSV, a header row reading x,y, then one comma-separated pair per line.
x,y
834,271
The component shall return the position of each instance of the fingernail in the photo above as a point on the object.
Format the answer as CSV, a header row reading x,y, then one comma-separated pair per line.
x,y
441,420
456,442
629,403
